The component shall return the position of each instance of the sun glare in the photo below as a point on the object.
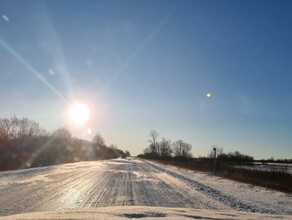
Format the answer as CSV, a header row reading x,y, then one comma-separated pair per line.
x,y
79,113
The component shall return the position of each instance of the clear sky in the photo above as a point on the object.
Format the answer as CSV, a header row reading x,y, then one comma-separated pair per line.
x,y
142,65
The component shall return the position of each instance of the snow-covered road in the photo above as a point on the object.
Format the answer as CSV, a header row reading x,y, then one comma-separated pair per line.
x,y
132,182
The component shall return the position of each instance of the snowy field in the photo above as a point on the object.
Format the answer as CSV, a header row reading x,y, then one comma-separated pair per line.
x,y
124,186
287,168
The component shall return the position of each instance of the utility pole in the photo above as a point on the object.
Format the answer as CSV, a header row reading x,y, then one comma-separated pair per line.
x,y
215,151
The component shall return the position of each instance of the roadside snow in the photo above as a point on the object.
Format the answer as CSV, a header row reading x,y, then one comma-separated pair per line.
x,y
265,200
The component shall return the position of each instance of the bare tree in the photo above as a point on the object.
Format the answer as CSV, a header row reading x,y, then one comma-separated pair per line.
x,y
177,148
17,129
62,133
98,140
182,149
165,148
186,151
154,146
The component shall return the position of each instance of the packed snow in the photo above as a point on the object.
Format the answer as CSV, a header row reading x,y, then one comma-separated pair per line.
x,y
133,186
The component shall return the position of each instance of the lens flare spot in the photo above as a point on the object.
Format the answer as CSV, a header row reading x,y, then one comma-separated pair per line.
x,y
209,95
79,113
89,131
5,18
51,72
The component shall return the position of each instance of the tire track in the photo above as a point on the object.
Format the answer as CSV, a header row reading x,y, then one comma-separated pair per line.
x,y
179,195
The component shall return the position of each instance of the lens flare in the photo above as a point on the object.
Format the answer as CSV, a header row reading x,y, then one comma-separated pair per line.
x,y
5,18
209,95
79,113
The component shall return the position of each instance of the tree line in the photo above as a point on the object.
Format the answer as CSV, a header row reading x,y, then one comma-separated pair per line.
x,y
24,143
235,156
181,151
165,149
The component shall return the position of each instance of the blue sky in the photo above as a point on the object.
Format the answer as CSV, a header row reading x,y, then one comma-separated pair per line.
x,y
142,65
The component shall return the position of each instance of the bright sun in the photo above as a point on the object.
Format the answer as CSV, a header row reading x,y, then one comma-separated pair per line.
x,y
79,113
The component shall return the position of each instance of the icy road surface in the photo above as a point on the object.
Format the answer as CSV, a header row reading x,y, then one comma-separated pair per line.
x,y
132,182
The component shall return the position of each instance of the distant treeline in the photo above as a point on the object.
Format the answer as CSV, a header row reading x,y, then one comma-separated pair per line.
x,y
23,143
180,151
165,149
